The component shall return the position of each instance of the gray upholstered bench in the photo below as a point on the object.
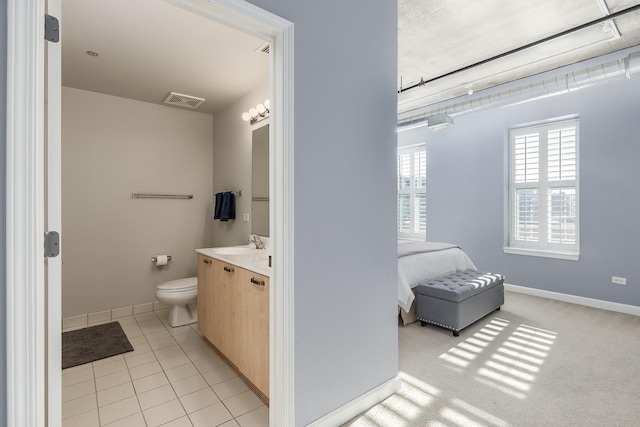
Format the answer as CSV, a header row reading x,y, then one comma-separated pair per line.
x,y
459,299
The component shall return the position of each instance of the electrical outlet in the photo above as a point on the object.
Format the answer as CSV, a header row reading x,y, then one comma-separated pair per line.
x,y
245,217
619,280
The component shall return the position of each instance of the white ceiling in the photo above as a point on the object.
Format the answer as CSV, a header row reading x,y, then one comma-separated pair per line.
x,y
437,37
148,48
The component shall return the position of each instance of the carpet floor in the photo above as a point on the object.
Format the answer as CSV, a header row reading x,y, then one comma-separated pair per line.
x,y
537,362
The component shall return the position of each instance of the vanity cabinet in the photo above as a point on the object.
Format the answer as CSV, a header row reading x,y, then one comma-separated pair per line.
x,y
233,315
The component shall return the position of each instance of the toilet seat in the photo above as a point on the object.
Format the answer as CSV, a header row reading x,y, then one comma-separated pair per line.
x,y
180,285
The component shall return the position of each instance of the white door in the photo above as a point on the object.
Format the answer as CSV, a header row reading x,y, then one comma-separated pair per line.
x,y
53,220
33,282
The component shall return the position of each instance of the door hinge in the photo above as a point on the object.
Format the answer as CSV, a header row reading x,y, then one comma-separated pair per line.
x,y
51,244
51,29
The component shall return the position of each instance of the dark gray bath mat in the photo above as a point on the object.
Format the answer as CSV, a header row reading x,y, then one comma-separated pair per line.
x,y
93,343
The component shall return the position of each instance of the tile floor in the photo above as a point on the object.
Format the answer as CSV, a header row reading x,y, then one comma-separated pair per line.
x,y
171,379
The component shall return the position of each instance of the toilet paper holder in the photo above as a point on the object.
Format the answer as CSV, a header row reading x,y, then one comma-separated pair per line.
x,y
155,259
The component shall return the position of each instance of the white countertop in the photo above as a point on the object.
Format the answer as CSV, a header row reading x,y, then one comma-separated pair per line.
x,y
248,257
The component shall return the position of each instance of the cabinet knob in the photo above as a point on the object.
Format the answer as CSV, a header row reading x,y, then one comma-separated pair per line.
x,y
228,269
257,282
206,261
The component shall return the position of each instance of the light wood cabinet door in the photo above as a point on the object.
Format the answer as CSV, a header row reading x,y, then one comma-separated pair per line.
x,y
254,330
226,301
205,294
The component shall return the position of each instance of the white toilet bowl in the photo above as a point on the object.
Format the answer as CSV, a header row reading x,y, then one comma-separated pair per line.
x,y
180,295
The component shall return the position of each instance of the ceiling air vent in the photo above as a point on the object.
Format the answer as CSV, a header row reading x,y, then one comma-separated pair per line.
x,y
263,48
182,100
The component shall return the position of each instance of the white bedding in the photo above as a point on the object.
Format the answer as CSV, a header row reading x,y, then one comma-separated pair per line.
x,y
419,267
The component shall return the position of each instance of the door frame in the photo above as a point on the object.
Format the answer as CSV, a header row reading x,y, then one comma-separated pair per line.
x,y
26,300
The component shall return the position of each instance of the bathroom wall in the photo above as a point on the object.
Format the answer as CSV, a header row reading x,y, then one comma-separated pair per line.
x,y
112,147
232,163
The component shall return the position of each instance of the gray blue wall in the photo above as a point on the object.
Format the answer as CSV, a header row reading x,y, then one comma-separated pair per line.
x,y
3,170
345,237
466,175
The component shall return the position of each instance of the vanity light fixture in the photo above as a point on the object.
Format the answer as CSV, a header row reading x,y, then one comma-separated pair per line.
x,y
259,113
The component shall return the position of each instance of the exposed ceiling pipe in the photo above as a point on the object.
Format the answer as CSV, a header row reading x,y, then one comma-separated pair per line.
x,y
626,68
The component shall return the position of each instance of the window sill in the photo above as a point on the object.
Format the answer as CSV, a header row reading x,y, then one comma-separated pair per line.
x,y
411,239
572,256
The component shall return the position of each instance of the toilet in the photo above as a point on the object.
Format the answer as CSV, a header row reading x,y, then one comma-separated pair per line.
x,y
180,296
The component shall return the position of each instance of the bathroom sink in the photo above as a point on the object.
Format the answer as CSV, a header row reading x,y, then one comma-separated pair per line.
x,y
247,257
235,250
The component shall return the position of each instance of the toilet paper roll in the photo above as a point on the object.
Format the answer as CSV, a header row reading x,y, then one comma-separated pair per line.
x,y
162,260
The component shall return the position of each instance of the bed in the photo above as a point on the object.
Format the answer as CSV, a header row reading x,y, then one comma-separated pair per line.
x,y
423,261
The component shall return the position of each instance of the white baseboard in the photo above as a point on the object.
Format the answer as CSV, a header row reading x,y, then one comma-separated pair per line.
x,y
90,319
589,302
359,404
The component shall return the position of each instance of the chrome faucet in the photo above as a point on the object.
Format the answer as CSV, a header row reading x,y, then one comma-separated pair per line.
x,y
255,239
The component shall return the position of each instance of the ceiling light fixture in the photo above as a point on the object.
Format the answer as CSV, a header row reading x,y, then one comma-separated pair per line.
x,y
92,53
609,27
469,88
439,121
257,114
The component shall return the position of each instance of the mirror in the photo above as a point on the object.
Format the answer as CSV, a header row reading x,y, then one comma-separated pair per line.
x,y
260,182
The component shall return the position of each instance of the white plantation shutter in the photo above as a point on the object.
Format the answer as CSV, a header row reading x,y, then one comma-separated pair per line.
x,y
543,187
526,215
561,153
526,171
562,216
404,172
419,169
404,213
420,209
527,158
412,178
562,201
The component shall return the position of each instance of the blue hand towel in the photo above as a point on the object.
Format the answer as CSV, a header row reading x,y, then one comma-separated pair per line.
x,y
228,210
218,206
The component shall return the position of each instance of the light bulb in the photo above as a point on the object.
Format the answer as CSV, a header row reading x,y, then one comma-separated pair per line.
x,y
261,109
254,113
246,117
267,104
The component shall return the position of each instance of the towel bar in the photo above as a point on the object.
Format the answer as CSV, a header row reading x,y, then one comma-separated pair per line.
x,y
161,196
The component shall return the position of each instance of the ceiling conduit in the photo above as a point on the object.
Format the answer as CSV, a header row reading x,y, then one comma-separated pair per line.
x,y
626,68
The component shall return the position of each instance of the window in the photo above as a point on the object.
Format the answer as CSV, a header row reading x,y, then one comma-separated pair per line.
x,y
412,206
543,190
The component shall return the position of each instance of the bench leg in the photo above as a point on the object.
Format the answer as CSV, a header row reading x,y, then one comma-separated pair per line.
x,y
423,323
498,309
456,333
